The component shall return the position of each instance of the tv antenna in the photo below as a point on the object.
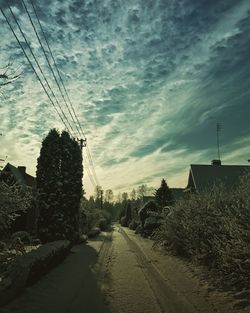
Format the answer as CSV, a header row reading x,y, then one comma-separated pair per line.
x,y
218,130
3,161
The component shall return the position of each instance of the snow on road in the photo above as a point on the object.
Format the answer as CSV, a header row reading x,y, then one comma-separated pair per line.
x,y
118,272
71,287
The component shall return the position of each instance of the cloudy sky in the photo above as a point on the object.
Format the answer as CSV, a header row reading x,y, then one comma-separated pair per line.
x,y
149,80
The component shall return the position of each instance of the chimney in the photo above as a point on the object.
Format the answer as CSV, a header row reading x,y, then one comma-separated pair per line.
x,y
22,170
216,162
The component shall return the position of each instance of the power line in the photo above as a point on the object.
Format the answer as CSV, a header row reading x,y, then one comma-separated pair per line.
x,y
89,174
65,90
58,72
37,63
53,73
38,77
93,179
92,164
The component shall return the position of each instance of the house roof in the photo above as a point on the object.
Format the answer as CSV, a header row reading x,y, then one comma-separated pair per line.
x,y
146,199
202,177
20,176
177,193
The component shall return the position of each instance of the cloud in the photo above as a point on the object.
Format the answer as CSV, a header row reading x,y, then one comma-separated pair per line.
x,y
148,80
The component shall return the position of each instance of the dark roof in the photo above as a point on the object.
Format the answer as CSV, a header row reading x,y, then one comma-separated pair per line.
x,y
20,176
146,199
177,193
202,177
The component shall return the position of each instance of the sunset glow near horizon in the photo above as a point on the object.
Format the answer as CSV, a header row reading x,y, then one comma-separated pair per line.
x,y
149,81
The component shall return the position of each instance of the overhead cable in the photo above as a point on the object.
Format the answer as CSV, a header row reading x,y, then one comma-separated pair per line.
x,y
38,77
41,70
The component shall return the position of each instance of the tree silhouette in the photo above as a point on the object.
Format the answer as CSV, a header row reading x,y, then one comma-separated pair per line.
x,y
163,195
49,185
71,179
59,183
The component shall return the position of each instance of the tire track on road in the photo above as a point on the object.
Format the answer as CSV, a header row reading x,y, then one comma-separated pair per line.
x,y
169,299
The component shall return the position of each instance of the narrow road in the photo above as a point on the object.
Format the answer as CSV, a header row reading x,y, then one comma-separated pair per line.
x,y
135,284
138,279
119,272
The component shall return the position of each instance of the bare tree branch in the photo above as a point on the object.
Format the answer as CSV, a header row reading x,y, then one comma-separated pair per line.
x,y
9,75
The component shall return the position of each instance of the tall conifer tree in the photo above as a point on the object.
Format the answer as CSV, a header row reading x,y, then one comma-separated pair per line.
x,y
71,175
59,181
48,184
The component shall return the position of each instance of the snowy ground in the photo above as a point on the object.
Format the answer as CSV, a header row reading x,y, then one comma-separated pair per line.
x,y
119,272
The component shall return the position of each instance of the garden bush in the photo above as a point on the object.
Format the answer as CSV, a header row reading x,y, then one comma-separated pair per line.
x,y
13,200
93,232
123,221
23,235
133,224
212,229
28,268
103,224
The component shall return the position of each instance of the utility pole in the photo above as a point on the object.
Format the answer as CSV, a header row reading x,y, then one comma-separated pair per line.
x,y
82,143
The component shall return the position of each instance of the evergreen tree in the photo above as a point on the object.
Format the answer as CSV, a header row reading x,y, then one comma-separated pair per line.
x,y
59,181
72,173
163,195
128,213
48,185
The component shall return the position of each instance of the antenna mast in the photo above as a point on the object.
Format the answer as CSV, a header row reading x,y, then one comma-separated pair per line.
x,y
218,130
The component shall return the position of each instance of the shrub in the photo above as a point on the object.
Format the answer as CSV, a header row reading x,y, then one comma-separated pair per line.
x,y
103,224
23,235
3,246
93,232
212,229
128,213
123,221
28,268
151,224
13,199
133,224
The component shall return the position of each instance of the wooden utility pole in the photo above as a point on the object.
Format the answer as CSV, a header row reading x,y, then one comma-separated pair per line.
x,y
82,142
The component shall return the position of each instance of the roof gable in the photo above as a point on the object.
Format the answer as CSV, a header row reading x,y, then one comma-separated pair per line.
x,y
205,176
23,179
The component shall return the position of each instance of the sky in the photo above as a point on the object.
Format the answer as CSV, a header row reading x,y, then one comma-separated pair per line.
x,y
149,80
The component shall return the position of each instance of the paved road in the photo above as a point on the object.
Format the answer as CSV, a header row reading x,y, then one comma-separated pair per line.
x,y
135,284
116,273
72,287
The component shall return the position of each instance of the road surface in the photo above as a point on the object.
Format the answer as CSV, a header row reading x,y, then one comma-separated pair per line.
x,y
119,272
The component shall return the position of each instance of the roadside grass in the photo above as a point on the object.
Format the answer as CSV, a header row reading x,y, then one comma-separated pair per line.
x,y
212,229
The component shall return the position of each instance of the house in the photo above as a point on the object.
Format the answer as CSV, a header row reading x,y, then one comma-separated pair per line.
x,y
18,175
146,199
11,175
177,193
203,177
